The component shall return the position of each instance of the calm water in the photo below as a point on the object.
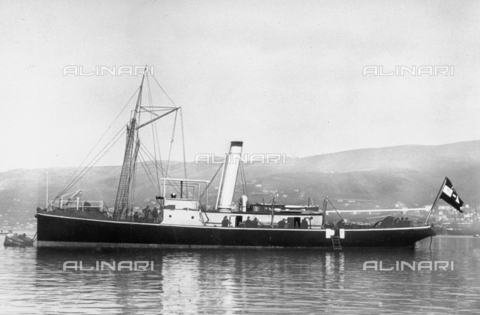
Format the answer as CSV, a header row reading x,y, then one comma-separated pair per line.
x,y
32,281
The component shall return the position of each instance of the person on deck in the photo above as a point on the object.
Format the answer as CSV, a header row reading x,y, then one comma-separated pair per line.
x,y
141,217
304,224
160,215
155,215
255,223
135,217
396,222
145,213
281,224
248,223
225,222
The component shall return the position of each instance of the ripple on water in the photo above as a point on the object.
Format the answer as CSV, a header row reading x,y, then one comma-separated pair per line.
x,y
241,281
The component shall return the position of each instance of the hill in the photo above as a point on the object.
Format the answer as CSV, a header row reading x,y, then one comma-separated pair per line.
x,y
364,178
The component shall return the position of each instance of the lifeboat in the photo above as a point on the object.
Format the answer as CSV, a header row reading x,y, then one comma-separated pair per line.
x,y
18,240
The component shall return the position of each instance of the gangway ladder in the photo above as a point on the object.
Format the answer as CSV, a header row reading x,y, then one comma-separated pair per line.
x,y
336,243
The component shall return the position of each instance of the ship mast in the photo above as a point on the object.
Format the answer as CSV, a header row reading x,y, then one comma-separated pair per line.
x,y
129,159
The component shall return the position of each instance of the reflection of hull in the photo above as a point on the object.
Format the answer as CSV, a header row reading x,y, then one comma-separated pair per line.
x,y
81,232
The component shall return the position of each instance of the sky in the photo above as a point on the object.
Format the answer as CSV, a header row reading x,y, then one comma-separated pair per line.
x,y
285,77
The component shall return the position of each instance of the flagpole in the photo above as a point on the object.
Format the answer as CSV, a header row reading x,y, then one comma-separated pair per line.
x,y
436,199
46,194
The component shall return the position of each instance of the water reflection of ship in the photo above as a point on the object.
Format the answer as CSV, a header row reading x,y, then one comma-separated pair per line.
x,y
250,281
114,291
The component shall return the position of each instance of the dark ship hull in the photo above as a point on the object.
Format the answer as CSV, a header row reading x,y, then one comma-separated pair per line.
x,y
56,230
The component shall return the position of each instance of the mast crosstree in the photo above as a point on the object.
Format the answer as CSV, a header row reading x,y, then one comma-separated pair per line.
x,y
132,148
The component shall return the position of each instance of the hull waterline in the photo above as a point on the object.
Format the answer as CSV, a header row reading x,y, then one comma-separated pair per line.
x,y
62,231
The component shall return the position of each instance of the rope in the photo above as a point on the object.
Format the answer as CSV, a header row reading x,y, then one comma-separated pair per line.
x,y
154,130
206,188
334,208
164,174
147,171
79,172
172,140
243,178
86,157
183,143
164,91
92,163
173,131
177,189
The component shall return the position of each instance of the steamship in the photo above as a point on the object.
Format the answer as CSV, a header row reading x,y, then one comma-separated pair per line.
x,y
185,219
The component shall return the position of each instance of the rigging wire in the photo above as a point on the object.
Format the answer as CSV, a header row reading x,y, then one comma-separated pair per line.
x,y
92,163
172,140
164,91
148,172
96,144
181,117
173,132
243,178
79,172
165,174
334,208
150,156
183,143
206,188
154,131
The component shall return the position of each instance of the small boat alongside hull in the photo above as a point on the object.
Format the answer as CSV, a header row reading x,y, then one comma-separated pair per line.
x,y
61,231
15,240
